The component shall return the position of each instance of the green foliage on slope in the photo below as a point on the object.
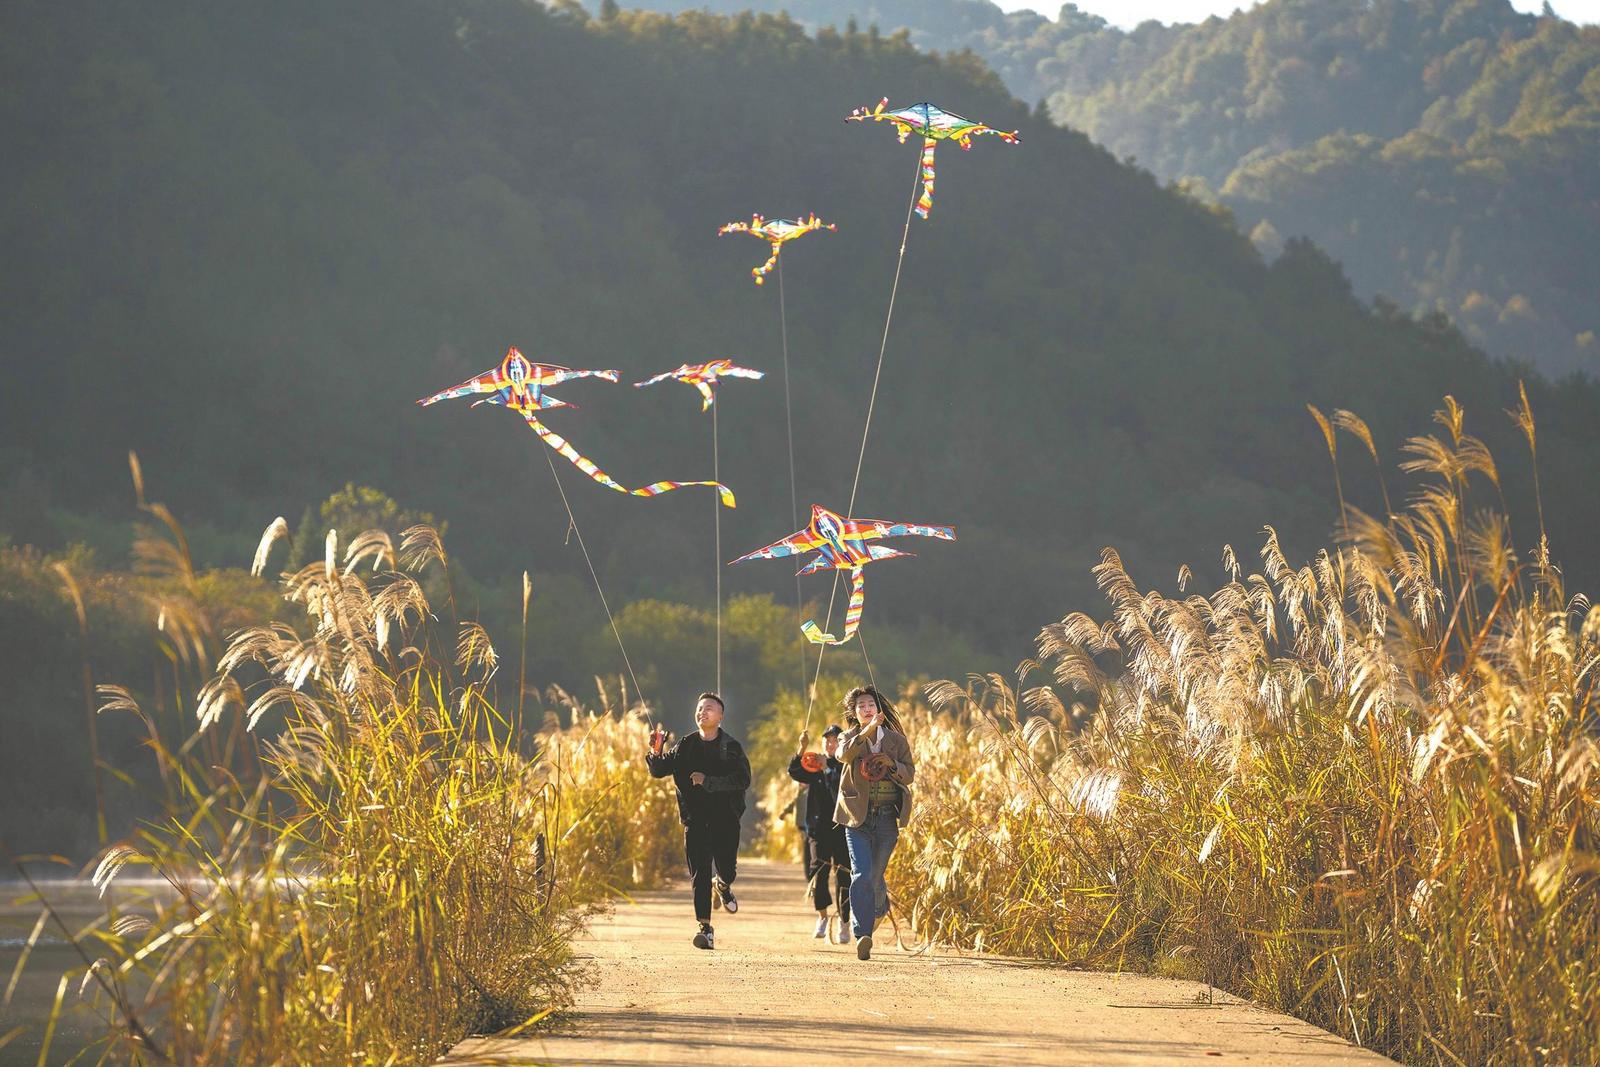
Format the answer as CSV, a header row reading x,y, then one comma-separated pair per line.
x,y
243,239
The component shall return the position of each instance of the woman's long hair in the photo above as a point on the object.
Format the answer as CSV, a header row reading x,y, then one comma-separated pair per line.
x,y
885,708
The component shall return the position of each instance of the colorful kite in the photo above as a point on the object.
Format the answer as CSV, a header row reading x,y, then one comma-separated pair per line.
x,y
840,544
934,124
519,384
704,376
777,231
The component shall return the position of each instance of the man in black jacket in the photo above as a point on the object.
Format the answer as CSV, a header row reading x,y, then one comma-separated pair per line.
x,y
825,846
711,772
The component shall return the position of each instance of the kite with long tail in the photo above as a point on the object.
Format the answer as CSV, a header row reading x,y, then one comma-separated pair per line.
x,y
934,124
520,384
776,231
841,544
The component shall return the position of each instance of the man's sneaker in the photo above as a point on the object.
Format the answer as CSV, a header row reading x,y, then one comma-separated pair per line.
x,y
864,947
724,897
822,927
705,938
844,931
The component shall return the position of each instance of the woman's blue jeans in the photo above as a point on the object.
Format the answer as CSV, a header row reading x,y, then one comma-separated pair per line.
x,y
871,844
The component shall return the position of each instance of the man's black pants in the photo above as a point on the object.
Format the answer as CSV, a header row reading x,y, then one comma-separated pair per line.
x,y
825,850
710,847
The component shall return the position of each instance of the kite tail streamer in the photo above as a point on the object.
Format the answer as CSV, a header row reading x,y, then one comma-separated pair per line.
x,y
758,273
576,458
657,488
852,614
925,201
586,465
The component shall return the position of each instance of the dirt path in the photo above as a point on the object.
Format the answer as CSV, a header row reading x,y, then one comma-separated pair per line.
x,y
759,998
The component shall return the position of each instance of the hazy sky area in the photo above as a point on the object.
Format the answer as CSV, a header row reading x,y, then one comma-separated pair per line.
x,y
1129,13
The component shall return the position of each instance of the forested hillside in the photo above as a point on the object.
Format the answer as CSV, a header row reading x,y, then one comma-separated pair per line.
x,y
1445,151
242,239
201,257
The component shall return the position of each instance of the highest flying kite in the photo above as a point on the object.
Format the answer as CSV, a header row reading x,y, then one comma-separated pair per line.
x,y
934,124
519,384
704,376
778,232
841,544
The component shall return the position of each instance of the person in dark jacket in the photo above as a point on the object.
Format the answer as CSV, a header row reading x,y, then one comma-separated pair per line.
x,y
712,773
827,858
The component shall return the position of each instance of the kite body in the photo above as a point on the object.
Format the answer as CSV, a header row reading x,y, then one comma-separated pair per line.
x,y
934,124
519,384
844,544
704,377
778,232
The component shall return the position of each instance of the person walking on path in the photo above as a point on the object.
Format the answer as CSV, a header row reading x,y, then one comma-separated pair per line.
x,y
874,802
712,773
827,856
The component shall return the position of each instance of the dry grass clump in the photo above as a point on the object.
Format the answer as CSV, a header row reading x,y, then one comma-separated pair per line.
x,y
388,872
622,825
1365,790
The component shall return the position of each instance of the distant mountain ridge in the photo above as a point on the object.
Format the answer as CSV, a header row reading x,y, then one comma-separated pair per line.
x,y
1447,152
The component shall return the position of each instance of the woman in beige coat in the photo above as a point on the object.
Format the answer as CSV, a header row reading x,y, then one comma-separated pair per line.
x,y
874,802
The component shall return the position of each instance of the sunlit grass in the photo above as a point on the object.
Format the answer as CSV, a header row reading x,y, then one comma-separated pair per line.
x,y
386,869
1363,790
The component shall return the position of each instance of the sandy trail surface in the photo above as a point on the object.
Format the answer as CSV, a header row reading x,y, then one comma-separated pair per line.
x,y
770,993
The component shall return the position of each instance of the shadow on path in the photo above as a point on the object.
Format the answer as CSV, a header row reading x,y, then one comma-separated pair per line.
x,y
771,992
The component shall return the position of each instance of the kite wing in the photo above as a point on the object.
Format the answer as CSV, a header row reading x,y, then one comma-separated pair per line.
x,y
742,372
755,226
487,382
872,529
663,376
796,544
546,374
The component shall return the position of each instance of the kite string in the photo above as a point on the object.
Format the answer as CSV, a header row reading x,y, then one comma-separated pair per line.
x,y
794,500
872,401
572,524
716,508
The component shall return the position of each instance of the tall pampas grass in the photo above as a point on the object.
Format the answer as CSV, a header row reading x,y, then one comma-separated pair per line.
x,y
1364,789
379,863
